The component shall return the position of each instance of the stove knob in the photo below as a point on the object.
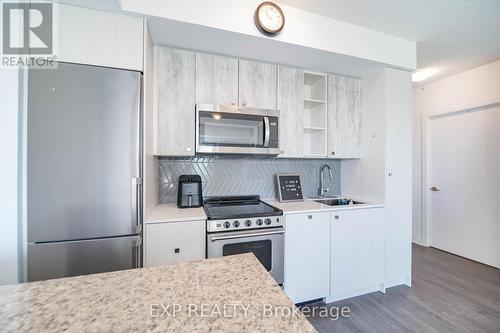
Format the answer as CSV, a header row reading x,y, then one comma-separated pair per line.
x,y
259,222
267,221
236,224
248,223
227,224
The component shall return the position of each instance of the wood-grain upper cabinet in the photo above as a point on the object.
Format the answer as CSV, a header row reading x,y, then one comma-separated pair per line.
x,y
344,116
291,106
257,84
216,79
174,102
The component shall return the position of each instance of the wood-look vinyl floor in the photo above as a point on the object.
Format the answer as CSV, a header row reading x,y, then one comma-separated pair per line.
x,y
448,294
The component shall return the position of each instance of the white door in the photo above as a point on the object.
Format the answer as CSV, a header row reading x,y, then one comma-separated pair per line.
x,y
464,167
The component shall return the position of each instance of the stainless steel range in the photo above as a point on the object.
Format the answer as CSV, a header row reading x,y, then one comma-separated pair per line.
x,y
242,224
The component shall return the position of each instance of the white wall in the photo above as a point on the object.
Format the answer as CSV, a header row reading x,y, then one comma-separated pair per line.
x,y
302,29
9,84
471,88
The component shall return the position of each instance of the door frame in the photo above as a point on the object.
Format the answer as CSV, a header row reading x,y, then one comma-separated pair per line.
x,y
426,119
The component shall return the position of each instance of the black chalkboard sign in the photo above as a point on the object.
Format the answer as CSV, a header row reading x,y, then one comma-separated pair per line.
x,y
289,188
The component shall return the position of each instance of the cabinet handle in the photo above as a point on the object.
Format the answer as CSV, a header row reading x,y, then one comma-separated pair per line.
x,y
233,103
390,174
336,217
177,250
244,103
333,153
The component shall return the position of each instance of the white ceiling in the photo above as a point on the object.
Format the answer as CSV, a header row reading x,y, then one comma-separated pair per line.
x,y
451,35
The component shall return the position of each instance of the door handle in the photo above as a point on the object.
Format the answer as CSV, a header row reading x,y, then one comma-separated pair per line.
x,y
217,238
434,189
267,129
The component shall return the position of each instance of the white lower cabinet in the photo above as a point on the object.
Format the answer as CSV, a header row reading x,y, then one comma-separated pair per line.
x,y
357,252
173,242
307,256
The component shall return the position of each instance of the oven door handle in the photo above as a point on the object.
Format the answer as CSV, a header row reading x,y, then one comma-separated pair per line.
x,y
217,238
267,130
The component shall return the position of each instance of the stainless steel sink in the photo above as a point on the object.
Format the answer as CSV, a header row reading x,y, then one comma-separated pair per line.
x,y
338,201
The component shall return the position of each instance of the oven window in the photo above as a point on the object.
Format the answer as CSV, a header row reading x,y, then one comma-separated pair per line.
x,y
231,130
261,249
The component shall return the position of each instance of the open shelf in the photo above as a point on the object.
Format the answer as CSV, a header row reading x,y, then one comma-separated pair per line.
x,y
314,142
314,101
315,114
315,86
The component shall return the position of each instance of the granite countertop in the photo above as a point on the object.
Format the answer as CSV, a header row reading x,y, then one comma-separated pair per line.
x,y
135,300
309,205
171,213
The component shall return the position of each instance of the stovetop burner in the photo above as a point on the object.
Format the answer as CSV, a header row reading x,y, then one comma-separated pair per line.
x,y
218,208
240,213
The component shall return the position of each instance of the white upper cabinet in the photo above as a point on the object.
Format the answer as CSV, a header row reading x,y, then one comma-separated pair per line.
x,y
257,84
99,38
174,102
344,116
216,79
291,106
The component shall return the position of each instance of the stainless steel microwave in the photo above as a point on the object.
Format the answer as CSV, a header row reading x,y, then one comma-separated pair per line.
x,y
235,130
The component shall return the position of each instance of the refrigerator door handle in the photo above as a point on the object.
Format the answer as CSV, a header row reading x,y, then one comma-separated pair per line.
x,y
137,253
136,203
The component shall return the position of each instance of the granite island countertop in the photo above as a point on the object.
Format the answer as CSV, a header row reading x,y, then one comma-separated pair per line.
x,y
228,294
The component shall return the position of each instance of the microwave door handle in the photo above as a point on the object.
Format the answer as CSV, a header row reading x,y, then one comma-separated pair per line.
x,y
267,130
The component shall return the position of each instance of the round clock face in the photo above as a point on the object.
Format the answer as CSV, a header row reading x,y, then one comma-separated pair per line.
x,y
269,18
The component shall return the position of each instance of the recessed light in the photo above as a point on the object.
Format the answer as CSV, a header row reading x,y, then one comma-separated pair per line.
x,y
423,74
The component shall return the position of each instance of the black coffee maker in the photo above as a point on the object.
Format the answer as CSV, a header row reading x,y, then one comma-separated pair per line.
x,y
189,191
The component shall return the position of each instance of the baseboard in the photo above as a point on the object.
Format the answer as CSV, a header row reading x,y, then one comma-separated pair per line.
x,y
359,292
419,241
404,281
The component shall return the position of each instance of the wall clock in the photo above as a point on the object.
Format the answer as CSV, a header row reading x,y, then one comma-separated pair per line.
x,y
269,18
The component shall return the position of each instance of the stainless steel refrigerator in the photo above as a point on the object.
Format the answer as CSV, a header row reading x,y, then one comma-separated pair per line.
x,y
84,159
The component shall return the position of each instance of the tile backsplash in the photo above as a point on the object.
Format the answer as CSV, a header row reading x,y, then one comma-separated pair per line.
x,y
243,175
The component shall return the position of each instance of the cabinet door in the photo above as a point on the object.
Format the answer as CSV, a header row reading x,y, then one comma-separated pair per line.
x,y
399,176
291,106
169,243
357,258
98,38
344,116
257,84
216,79
174,102
307,256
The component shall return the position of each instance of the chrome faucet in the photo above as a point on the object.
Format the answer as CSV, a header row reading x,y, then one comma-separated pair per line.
x,y
322,189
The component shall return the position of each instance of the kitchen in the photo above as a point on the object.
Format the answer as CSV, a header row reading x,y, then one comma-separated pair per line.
x,y
217,133
299,155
